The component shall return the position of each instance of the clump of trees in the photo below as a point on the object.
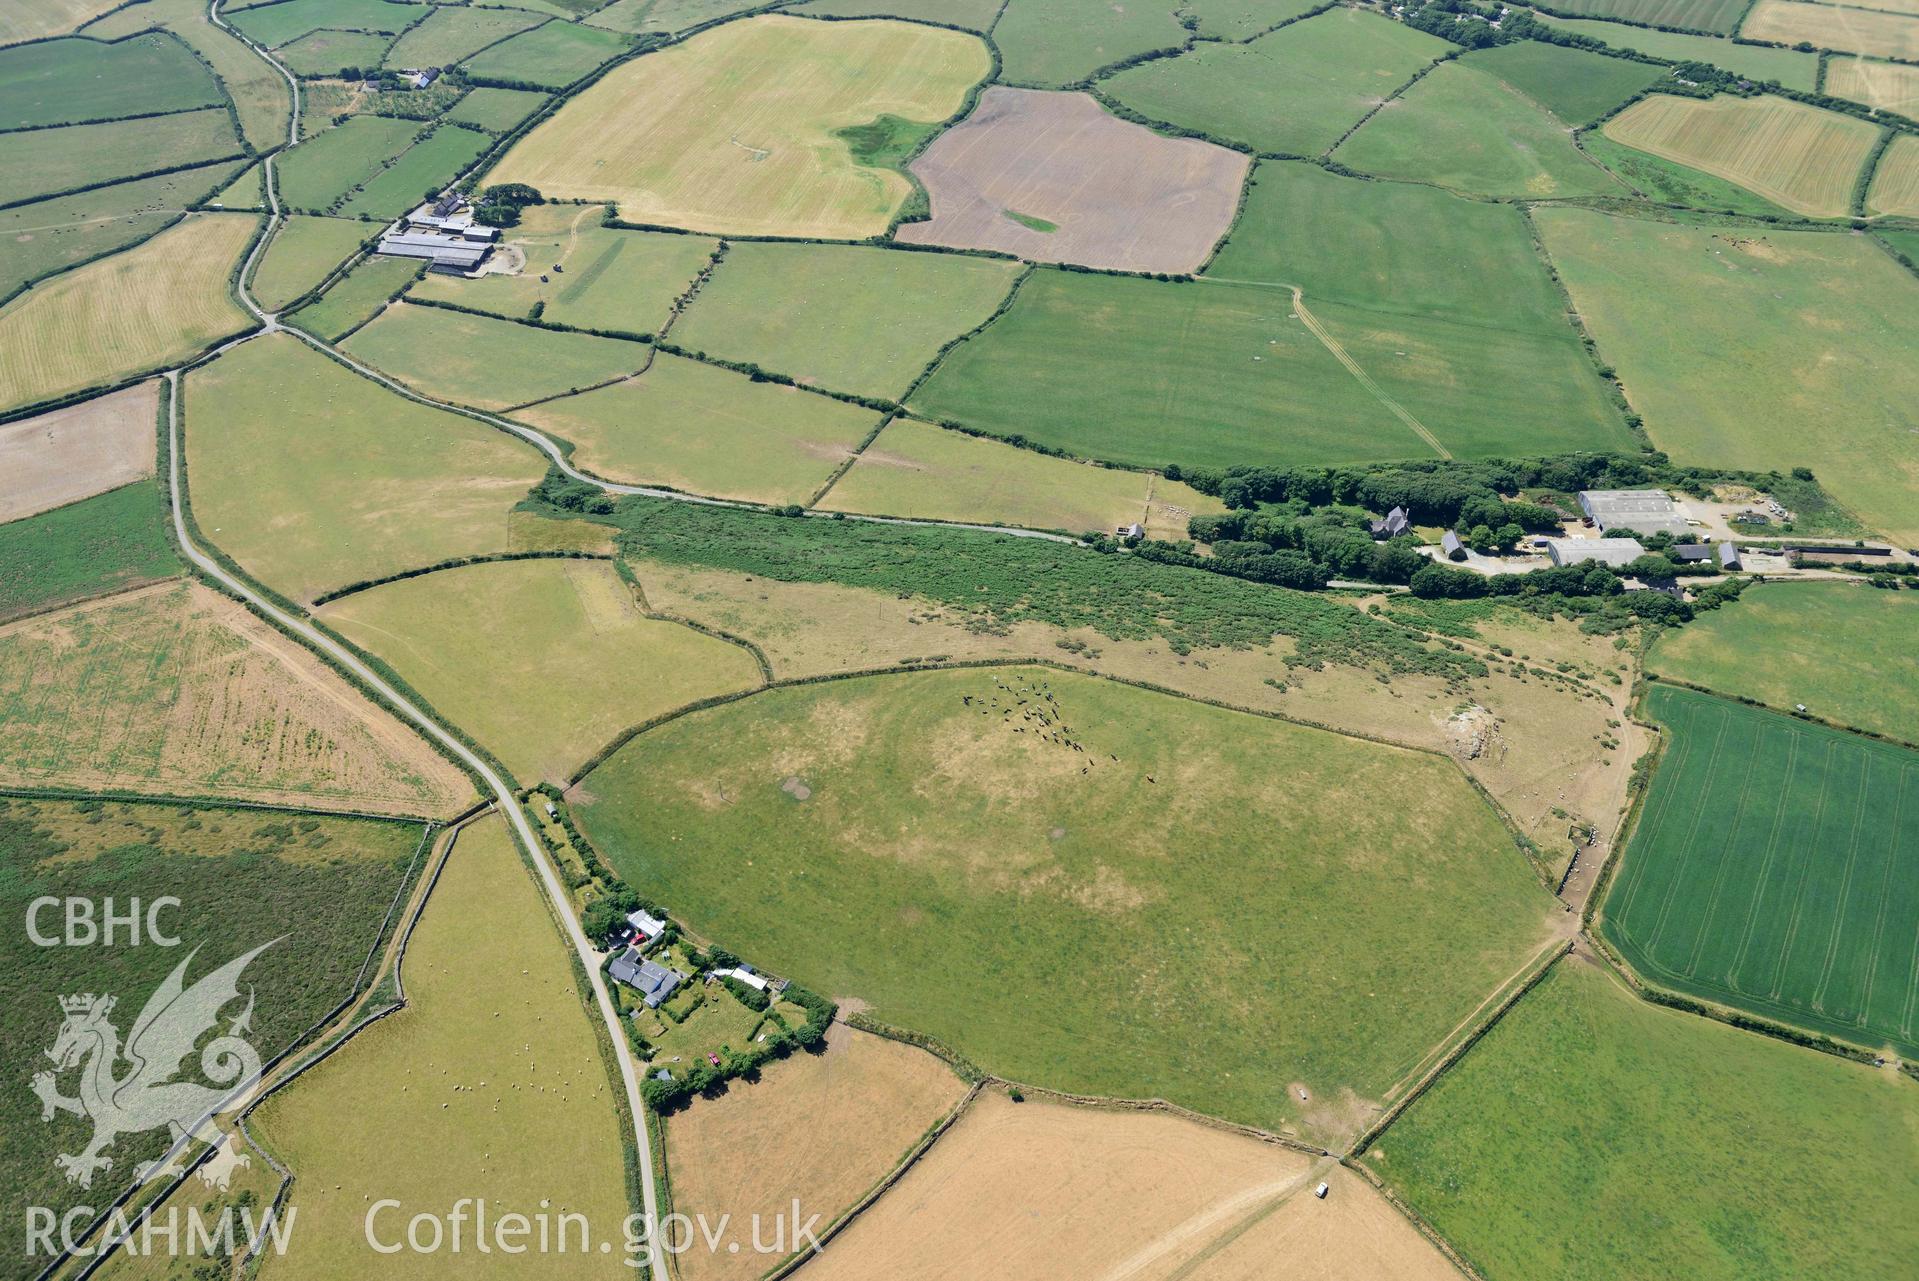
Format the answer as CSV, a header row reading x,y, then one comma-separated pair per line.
x,y
500,204
562,491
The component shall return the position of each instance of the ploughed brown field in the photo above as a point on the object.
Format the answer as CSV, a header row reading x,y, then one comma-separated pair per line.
x,y
1112,193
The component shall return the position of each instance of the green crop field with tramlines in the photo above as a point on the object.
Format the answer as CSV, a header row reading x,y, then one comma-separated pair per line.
x,y
1776,870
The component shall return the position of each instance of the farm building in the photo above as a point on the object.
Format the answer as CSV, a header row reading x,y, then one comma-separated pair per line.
x,y
1130,531
653,981
1689,553
1395,523
445,253
1665,586
744,974
1643,511
1728,556
646,925
1607,551
1450,545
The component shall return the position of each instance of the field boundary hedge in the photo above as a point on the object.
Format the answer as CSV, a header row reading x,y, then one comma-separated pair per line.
x,y
456,562
1826,721
1418,1220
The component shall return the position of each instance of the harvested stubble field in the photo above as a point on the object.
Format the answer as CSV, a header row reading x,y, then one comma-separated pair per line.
x,y
312,477
1295,91
542,661
1050,43
1792,68
1576,85
126,314
490,364
552,56
1720,17
1855,30
493,1076
242,878
582,274
1753,329
48,18
850,318
62,81
1885,86
913,469
1773,871
1849,659
734,130
1671,183
1895,186
258,91
1804,158
707,430
1593,1136
1107,192
1073,814
349,301
1039,1190
302,253
43,162
1222,373
177,690
450,34
52,235
1469,131
823,1128
77,452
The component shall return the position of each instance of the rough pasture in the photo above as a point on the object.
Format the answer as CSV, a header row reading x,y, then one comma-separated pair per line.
x,y
1804,158
175,689
1888,35
734,130
76,452
1114,193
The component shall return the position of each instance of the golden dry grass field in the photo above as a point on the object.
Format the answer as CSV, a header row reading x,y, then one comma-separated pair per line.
x,y
134,311
175,689
73,453
733,131
1895,187
36,19
919,470
1805,158
490,1083
1889,35
1885,86
542,661
1036,1191
820,1128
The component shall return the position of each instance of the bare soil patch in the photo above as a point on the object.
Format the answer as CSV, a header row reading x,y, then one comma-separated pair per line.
x,y
1115,194
77,452
819,1128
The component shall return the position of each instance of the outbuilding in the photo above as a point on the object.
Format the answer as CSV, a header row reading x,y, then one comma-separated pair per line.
x,y
1640,511
1607,551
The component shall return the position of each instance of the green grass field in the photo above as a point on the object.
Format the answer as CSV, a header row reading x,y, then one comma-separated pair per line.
x,y
542,661
554,55
276,24
1754,329
62,81
1773,871
850,319
1345,239
325,53
112,540
595,277
488,363
451,34
974,15
1464,129
1592,1136
709,431
1665,181
43,162
50,235
319,172
242,878
1069,917
303,252
246,191
494,110
1244,19
312,477
1058,42
1295,91
1214,374
1720,17
428,165
1844,651
1574,84
355,296
1790,67
259,92
494,1077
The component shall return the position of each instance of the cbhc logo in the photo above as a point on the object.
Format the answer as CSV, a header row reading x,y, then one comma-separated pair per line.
x,y
102,924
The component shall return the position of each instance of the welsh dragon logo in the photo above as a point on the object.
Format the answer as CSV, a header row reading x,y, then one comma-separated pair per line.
x,y
132,1088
